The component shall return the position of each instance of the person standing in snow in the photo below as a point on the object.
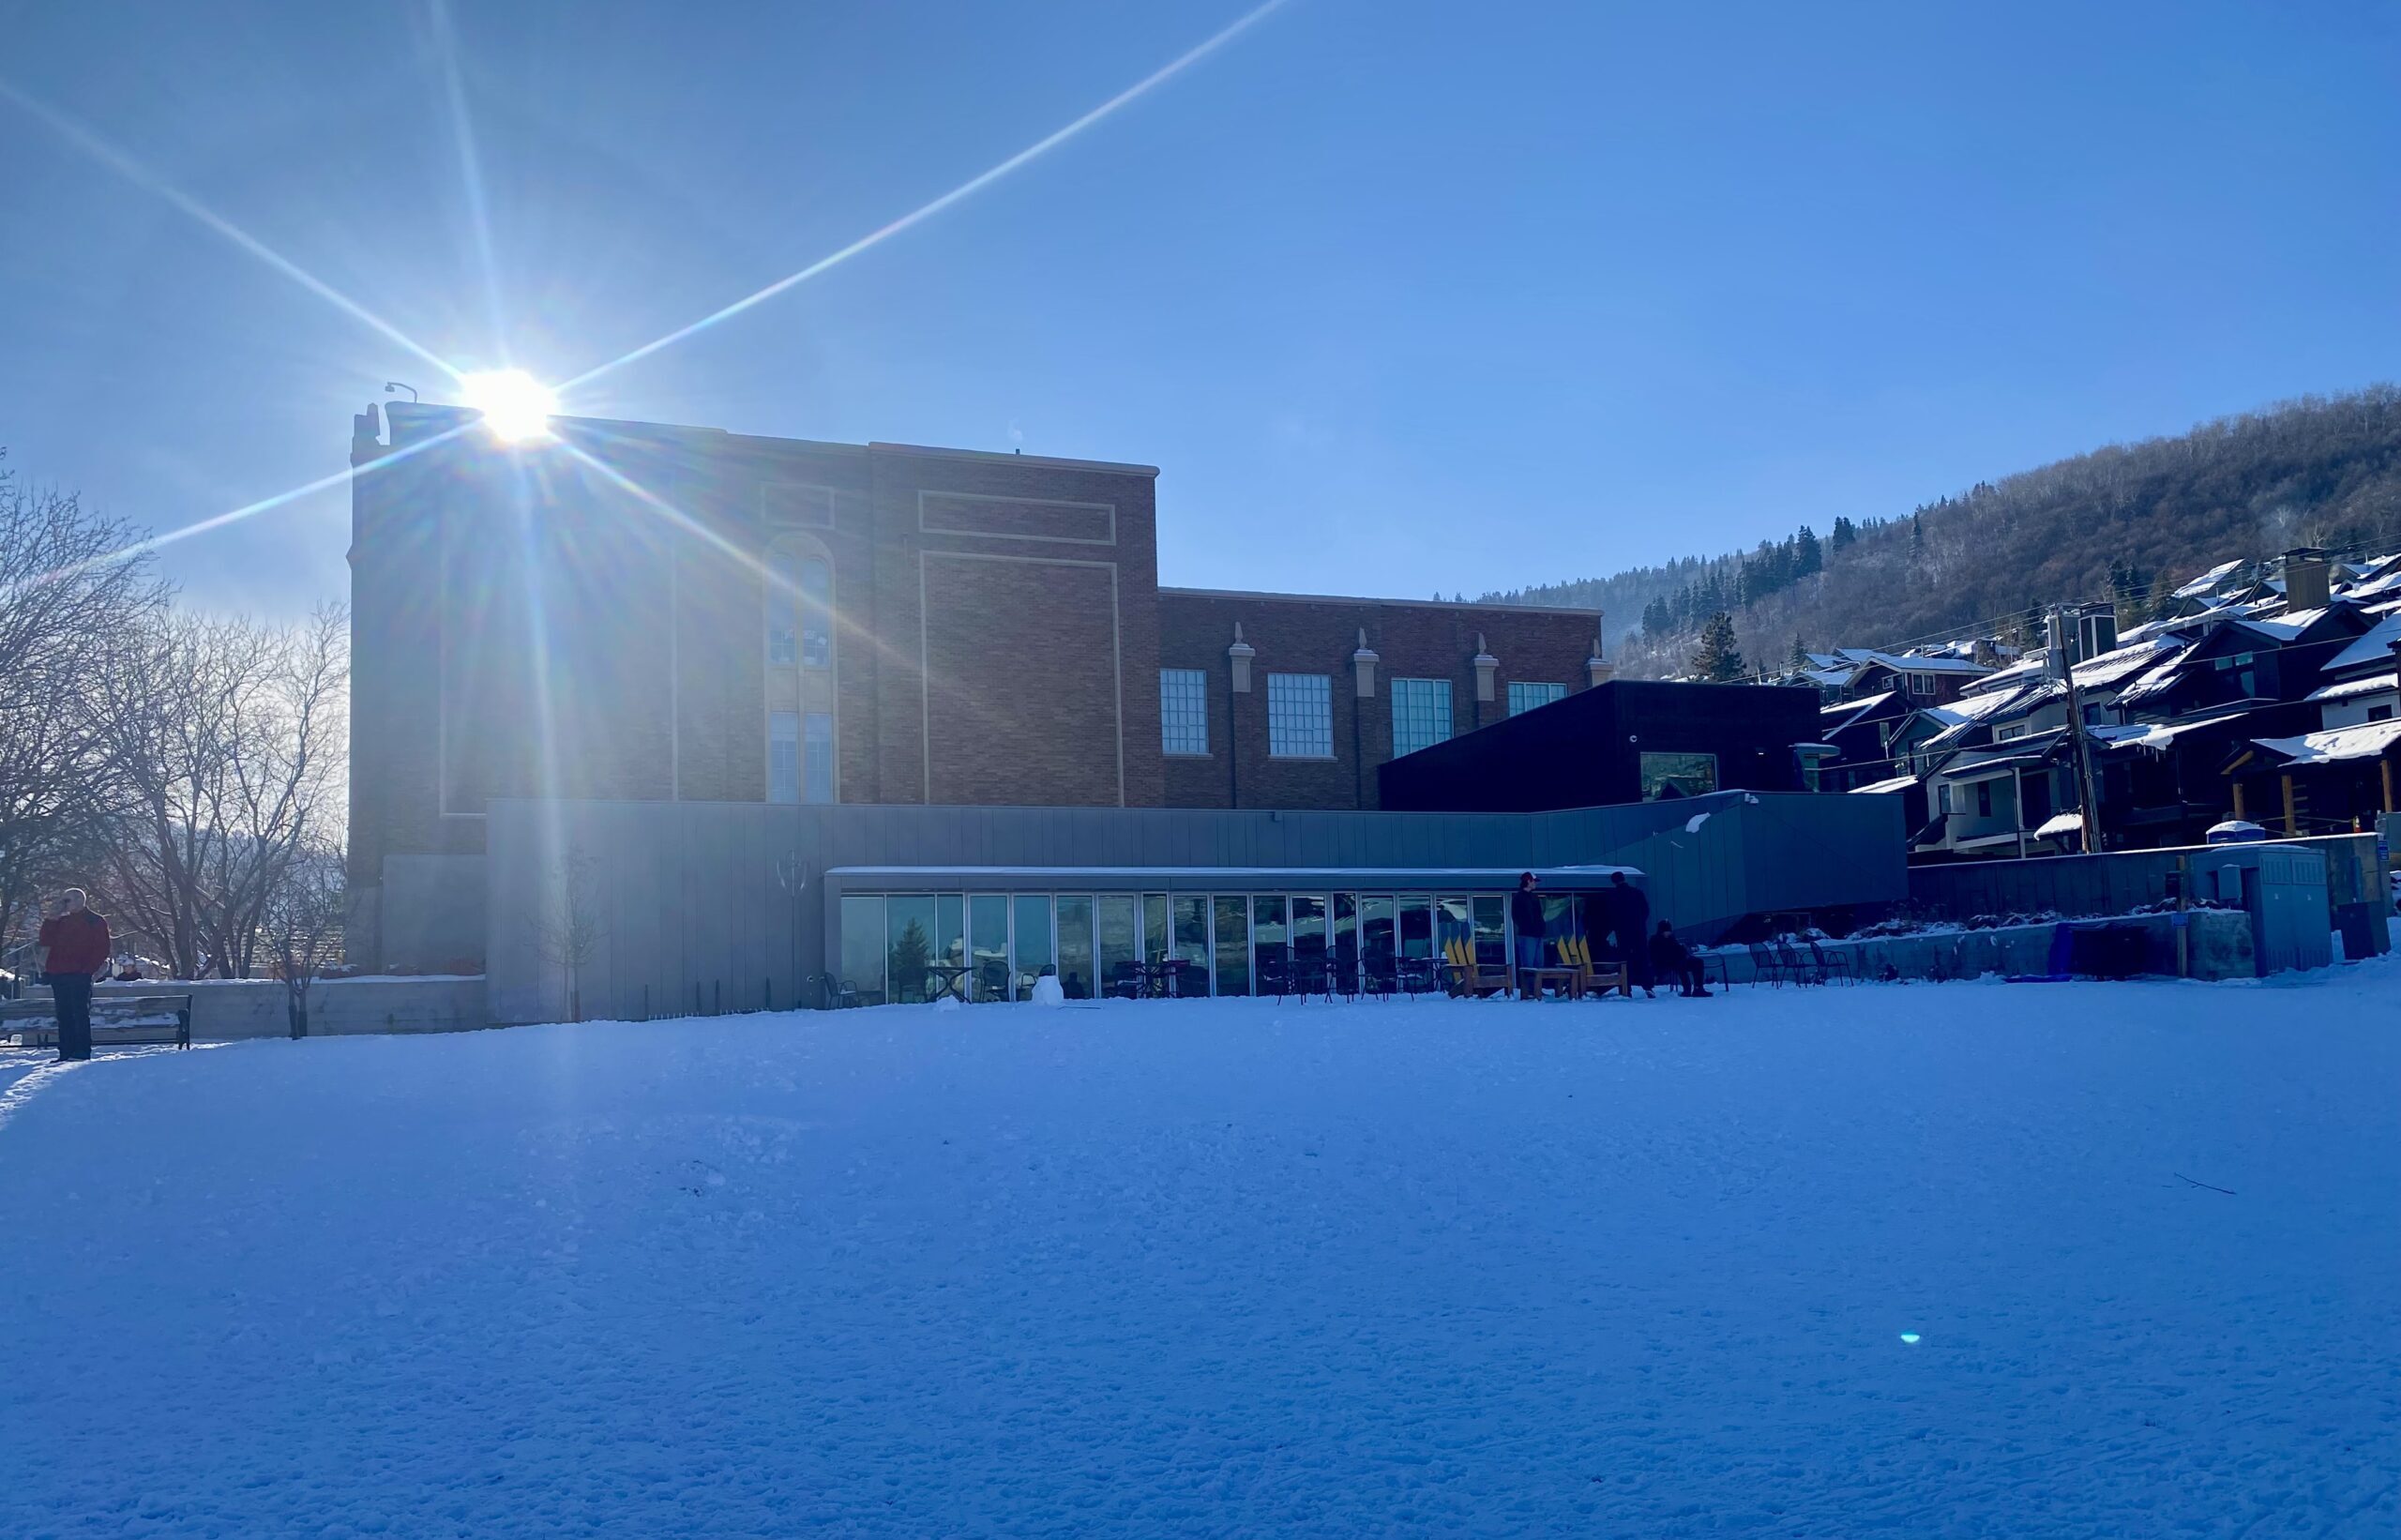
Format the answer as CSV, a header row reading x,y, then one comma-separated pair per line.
x,y
1525,914
73,945
1673,960
1629,914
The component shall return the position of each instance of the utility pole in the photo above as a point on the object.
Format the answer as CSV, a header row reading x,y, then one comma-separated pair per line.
x,y
2064,658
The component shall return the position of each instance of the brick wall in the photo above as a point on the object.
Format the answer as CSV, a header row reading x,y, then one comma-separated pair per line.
x,y
1295,634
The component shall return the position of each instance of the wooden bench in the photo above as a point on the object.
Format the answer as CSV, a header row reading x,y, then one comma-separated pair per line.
x,y
117,1019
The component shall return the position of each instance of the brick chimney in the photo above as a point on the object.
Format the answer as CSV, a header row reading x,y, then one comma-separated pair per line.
x,y
2307,579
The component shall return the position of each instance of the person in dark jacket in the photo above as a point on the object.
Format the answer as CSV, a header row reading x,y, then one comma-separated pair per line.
x,y
1525,914
1629,914
1673,960
74,945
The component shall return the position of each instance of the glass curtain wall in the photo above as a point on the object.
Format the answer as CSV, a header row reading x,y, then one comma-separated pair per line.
x,y
1416,928
1346,940
1308,938
1192,937
1379,936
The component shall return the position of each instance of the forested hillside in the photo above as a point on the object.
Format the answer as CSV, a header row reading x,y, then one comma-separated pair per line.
x,y
2128,520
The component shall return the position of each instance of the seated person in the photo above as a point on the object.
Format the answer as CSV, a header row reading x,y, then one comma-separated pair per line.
x,y
1673,962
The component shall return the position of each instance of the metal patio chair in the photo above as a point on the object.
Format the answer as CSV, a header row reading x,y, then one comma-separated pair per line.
x,y
1833,965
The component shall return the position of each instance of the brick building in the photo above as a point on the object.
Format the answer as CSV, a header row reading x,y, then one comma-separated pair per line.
x,y
632,611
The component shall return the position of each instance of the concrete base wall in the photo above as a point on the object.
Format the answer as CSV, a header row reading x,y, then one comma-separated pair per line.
x,y
227,1010
2218,947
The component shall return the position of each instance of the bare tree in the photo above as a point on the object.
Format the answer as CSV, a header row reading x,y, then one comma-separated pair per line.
x,y
302,923
223,742
568,929
72,584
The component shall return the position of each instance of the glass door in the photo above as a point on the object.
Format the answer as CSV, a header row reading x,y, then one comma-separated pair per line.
x,y
1233,940
988,940
1116,920
1031,951
1076,965
1272,963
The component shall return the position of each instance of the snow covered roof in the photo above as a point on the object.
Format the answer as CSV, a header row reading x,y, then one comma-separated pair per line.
x,y
1898,784
2364,742
2208,581
2061,823
2285,627
2103,670
2367,683
1851,711
2374,647
2162,734
1914,662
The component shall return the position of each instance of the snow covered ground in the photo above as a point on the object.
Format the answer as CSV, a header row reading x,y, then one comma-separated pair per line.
x,y
1893,1261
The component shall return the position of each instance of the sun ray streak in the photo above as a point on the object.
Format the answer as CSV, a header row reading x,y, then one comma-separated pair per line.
x,y
140,176
848,632
471,174
965,189
265,504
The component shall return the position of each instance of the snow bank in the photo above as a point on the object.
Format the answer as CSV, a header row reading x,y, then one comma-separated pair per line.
x,y
1637,1268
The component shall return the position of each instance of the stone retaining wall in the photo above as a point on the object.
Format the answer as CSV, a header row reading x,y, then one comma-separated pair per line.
x,y
2219,947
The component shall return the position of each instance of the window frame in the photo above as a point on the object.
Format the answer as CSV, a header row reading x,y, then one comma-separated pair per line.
x,y
1170,745
1317,694
776,740
1402,692
1553,692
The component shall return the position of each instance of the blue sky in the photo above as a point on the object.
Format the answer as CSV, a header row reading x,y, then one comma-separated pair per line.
x,y
1400,297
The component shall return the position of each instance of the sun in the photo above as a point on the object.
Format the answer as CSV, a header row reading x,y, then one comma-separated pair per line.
x,y
516,407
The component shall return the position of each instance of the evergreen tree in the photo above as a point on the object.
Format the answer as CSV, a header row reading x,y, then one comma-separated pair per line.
x,y
1657,620
1917,537
1845,532
1717,659
1808,557
1800,656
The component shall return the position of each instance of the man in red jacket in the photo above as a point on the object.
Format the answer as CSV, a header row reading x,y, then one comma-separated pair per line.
x,y
74,946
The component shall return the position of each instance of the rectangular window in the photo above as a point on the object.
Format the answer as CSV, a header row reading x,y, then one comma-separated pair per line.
x,y
1921,683
1300,715
1525,695
1421,714
1678,776
1491,931
2380,714
1183,711
816,756
783,756
1155,927
1983,799
2012,729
